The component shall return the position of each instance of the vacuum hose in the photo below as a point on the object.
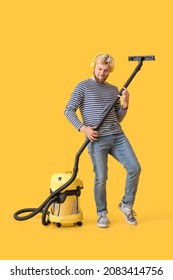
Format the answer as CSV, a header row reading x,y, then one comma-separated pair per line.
x,y
43,208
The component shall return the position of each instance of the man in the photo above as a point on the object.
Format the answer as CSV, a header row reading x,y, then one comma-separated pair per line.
x,y
92,97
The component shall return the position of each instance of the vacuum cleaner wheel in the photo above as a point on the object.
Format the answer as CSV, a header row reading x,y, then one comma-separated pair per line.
x,y
78,224
58,224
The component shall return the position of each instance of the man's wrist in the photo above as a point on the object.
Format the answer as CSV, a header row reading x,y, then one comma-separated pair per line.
x,y
83,128
124,107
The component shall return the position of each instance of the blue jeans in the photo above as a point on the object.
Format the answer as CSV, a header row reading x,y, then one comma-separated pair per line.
x,y
119,147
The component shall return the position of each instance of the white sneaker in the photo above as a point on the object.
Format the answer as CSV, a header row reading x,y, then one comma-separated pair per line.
x,y
103,221
129,214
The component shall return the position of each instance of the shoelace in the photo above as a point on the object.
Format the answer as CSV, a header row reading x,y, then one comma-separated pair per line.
x,y
132,214
105,217
102,216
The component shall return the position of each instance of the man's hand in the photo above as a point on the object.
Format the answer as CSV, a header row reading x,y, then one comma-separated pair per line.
x,y
90,132
125,99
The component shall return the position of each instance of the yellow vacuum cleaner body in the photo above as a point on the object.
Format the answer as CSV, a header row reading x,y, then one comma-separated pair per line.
x,y
65,211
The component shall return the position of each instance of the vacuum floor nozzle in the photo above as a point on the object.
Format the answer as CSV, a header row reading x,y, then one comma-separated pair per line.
x,y
143,57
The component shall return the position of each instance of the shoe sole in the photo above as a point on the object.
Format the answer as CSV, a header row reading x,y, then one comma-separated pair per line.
x,y
102,226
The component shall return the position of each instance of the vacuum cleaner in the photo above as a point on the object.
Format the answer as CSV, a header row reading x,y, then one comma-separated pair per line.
x,y
68,213
65,187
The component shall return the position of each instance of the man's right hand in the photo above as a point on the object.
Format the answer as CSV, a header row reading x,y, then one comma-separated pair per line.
x,y
90,132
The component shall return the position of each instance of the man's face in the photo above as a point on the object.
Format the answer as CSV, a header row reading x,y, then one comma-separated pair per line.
x,y
101,72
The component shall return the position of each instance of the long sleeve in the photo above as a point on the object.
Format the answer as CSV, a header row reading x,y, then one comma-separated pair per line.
x,y
74,103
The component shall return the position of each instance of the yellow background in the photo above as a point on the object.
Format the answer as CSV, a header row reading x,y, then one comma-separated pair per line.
x,y
46,49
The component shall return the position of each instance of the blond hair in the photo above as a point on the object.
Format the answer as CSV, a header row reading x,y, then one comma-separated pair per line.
x,y
103,59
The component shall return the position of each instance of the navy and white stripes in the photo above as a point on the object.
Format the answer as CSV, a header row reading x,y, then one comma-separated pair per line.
x,y
92,99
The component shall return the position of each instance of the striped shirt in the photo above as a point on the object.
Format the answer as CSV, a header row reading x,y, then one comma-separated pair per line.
x,y
92,99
